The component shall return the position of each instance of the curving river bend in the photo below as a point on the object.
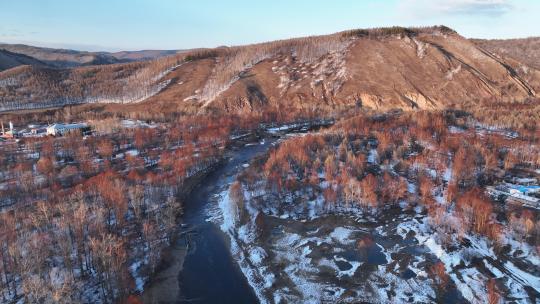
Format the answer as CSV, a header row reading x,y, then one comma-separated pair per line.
x,y
198,267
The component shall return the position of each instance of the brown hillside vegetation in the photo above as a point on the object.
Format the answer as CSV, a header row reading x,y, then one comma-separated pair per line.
x,y
407,68
30,87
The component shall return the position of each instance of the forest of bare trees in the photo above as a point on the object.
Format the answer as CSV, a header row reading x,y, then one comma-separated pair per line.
x,y
118,83
343,165
86,220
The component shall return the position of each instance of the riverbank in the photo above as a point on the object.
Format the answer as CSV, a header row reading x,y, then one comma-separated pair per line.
x,y
198,244
164,285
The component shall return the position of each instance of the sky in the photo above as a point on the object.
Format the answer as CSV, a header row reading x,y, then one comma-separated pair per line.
x,y
112,25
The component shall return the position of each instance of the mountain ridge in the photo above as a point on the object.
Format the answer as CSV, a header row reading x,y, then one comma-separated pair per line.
x,y
61,58
68,58
383,68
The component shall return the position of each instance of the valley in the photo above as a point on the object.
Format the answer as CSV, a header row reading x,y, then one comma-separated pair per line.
x,y
381,165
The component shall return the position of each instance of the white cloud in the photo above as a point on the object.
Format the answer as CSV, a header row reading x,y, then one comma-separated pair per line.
x,y
490,7
457,7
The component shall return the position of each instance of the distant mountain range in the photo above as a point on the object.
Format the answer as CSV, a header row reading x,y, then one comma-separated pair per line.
x,y
10,60
383,68
143,55
63,58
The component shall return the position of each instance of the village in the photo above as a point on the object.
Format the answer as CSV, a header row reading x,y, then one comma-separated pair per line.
x,y
522,191
39,130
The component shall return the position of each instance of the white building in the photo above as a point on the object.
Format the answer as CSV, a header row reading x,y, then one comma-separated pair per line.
x,y
59,129
8,134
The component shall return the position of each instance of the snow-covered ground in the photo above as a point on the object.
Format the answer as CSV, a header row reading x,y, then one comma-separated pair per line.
x,y
470,277
312,252
380,259
327,259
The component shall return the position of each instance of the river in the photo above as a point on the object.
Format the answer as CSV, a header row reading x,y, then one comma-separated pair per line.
x,y
199,267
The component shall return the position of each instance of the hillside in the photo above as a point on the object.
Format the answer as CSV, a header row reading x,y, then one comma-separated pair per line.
x,y
526,50
421,68
40,87
9,60
424,68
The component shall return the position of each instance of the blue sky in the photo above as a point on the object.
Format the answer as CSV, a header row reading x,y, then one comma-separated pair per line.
x,y
169,24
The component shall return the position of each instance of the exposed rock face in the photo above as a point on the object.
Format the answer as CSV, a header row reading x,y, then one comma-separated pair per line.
x,y
430,68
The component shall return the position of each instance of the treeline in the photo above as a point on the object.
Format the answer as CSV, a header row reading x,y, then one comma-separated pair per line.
x,y
107,117
398,30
